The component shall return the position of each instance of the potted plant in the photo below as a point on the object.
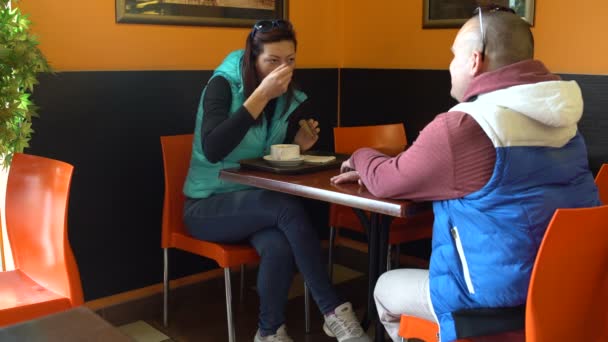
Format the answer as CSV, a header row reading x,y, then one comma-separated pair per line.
x,y
20,61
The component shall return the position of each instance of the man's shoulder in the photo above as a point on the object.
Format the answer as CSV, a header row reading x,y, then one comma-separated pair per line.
x,y
455,119
457,124
445,124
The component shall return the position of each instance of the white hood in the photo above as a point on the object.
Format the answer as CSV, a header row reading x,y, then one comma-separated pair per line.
x,y
539,114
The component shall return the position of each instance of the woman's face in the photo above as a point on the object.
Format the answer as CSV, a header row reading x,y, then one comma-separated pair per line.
x,y
273,55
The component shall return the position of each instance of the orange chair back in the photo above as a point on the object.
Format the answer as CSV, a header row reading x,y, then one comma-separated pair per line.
x,y
176,151
176,160
601,180
36,220
568,290
389,139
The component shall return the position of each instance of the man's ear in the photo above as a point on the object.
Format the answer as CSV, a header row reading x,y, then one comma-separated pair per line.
x,y
477,63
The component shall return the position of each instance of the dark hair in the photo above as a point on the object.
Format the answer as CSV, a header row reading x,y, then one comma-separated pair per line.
x,y
254,46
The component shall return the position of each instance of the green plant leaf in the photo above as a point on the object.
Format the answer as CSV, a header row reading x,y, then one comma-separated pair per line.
x,y
20,62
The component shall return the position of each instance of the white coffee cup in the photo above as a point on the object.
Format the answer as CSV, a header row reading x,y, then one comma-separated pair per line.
x,y
284,151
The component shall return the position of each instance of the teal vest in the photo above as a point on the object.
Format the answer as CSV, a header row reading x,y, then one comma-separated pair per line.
x,y
203,176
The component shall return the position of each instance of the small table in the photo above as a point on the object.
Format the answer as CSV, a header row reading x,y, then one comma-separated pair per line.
x,y
78,324
317,186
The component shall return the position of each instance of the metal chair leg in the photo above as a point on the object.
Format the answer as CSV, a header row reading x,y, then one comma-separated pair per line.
x,y
165,287
306,309
231,334
330,253
242,289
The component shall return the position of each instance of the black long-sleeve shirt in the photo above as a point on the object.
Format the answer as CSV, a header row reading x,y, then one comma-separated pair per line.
x,y
221,132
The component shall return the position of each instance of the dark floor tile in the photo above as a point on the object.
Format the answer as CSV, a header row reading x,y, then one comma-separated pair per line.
x,y
140,309
197,312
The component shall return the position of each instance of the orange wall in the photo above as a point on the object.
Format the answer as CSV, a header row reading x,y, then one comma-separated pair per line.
x,y
83,35
388,34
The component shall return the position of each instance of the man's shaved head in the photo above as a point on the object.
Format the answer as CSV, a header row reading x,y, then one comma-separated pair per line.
x,y
508,38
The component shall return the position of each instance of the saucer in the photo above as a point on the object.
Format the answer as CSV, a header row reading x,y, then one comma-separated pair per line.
x,y
290,162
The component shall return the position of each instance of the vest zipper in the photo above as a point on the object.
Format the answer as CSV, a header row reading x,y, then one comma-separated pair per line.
x,y
463,260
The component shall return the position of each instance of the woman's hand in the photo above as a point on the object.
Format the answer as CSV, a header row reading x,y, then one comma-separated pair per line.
x,y
276,82
273,85
304,138
347,177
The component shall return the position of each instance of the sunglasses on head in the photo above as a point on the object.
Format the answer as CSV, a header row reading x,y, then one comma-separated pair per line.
x,y
269,25
488,9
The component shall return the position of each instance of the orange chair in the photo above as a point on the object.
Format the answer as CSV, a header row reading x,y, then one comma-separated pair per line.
x,y
601,180
418,328
566,298
176,160
176,152
391,140
568,295
46,278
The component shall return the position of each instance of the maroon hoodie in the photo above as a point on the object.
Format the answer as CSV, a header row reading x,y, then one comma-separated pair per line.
x,y
452,156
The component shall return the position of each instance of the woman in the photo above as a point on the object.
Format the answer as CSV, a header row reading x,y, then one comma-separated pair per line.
x,y
249,104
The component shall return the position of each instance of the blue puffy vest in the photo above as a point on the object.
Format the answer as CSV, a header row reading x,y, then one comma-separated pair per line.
x,y
485,244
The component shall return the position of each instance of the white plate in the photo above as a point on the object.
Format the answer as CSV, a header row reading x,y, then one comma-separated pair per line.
x,y
290,162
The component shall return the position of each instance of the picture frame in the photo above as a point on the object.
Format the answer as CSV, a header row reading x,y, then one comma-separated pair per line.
x,y
228,13
454,13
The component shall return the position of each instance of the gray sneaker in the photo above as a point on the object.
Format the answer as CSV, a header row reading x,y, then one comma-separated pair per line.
x,y
279,336
344,326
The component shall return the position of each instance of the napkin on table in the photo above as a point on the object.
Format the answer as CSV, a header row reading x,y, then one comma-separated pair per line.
x,y
318,159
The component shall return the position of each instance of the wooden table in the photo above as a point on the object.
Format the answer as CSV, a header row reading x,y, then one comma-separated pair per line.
x,y
317,186
78,324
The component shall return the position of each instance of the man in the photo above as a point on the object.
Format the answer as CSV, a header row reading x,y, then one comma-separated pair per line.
x,y
496,166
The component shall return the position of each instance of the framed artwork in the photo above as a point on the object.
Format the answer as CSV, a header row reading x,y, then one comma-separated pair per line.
x,y
232,13
454,13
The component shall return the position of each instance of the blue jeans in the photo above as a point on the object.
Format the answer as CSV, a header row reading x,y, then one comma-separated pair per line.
x,y
279,229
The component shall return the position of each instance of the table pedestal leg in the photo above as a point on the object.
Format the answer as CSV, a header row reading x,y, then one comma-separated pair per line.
x,y
377,228
372,269
382,227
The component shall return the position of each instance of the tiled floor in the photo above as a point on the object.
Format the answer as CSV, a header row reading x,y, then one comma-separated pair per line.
x,y
198,312
141,331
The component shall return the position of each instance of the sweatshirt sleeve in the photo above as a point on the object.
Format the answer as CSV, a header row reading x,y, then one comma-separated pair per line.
x,y
221,132
451,158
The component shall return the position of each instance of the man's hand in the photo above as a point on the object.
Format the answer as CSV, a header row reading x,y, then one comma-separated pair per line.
x,y
347,177
346,166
